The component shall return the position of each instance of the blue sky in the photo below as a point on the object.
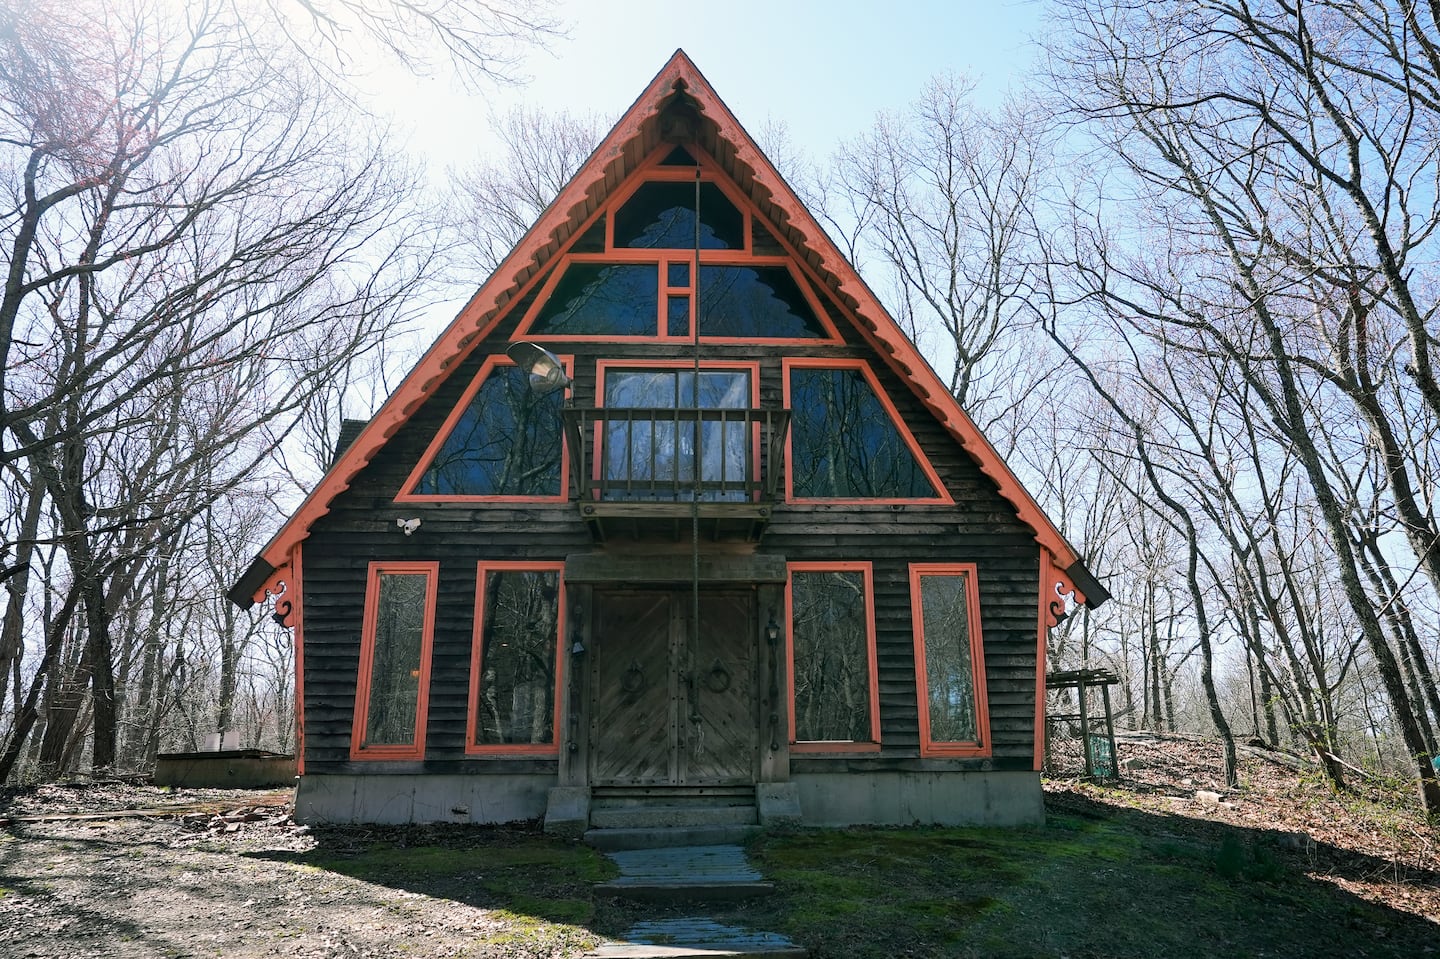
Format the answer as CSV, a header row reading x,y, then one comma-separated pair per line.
x,y
822,68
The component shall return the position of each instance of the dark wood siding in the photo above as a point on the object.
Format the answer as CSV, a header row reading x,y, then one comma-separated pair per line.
x,y
979,528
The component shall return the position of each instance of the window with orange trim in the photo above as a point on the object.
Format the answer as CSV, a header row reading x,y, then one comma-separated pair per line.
x,y
394,677
949,659
834,700
650,455
846,440
633,272
504,440
515,662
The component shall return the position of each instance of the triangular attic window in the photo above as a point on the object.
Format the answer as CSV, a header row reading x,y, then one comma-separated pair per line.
x,y
502,440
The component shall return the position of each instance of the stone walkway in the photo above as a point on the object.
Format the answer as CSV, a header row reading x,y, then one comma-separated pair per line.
x,y
689,873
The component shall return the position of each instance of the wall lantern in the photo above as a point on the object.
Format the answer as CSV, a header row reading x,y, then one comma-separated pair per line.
x,y
772,630
546,373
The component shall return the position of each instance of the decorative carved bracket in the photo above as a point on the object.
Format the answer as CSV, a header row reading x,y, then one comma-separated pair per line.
x,y
276,591
1061,589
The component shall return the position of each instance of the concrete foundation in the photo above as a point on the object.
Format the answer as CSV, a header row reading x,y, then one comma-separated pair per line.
x,y
421,799
567,811
778,805
906,798
812,799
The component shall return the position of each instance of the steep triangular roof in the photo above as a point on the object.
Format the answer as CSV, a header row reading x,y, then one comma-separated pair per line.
x,y
679,89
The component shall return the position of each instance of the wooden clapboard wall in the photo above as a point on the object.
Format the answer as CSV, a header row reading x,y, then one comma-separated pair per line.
x,y
980,527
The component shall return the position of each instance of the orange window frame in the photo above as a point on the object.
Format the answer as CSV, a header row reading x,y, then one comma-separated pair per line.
x,y
415,749
928,746
477,648
791,363
407,492
652,171
603,367
833,746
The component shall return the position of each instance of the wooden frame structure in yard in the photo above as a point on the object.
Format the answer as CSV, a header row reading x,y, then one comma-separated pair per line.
x,y
747,435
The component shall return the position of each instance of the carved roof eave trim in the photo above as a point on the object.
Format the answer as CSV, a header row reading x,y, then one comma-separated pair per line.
x,y
625,145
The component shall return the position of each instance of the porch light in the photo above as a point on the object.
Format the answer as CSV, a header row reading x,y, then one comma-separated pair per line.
x,y
772,630
546,373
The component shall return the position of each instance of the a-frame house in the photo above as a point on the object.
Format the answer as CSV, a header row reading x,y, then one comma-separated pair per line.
x,y
494,590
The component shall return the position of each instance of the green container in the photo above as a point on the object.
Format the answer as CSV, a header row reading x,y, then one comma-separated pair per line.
x,y
1102,760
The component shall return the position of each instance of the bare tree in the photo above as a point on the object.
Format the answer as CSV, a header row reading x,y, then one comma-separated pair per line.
x,y
196,245
946,194
1279,158
496,199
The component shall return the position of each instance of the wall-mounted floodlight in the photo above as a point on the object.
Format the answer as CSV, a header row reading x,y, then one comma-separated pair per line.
x,y
546,373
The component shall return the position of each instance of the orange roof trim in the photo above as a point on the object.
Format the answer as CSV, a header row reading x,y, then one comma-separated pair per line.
x,y
621,150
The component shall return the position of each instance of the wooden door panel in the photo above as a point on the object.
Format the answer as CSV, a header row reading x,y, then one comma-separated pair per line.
x,y
633,722
719,717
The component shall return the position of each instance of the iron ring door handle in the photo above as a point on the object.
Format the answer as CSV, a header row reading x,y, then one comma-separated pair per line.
x,y
718,679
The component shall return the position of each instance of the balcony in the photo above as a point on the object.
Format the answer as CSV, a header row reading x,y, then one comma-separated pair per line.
x,y
635,471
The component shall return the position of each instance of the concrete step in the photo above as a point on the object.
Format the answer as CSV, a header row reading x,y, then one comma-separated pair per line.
x,y
695,938
666,816
607,839
671,892
684,873
616,797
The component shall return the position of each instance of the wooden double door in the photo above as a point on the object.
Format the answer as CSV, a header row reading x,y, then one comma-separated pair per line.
x,y
671,705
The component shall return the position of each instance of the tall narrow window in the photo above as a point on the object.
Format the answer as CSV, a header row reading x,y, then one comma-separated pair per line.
x,y
394,677
503,440
949,659
846,442
515,666
834,704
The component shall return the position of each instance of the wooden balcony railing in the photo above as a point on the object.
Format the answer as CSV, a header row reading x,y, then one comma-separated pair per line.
x,y
648,455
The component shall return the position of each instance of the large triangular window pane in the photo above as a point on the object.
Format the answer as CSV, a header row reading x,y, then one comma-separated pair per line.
x,y
755,301
593,299
661,215
506,441
844,442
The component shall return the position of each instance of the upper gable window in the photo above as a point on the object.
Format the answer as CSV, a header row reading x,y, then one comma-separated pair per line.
x,y
635,272
661,215
504,441
602,300
754,301
846,442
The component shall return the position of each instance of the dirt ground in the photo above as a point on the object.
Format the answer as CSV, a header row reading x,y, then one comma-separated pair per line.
x,y
1370,840
115,870
223,876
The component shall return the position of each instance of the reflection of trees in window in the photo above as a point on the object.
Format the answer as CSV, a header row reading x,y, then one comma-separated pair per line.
x,y
659,457
593,299
507,442
949,671
754,301
831,656
844,443
519,635
662,216
395,660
